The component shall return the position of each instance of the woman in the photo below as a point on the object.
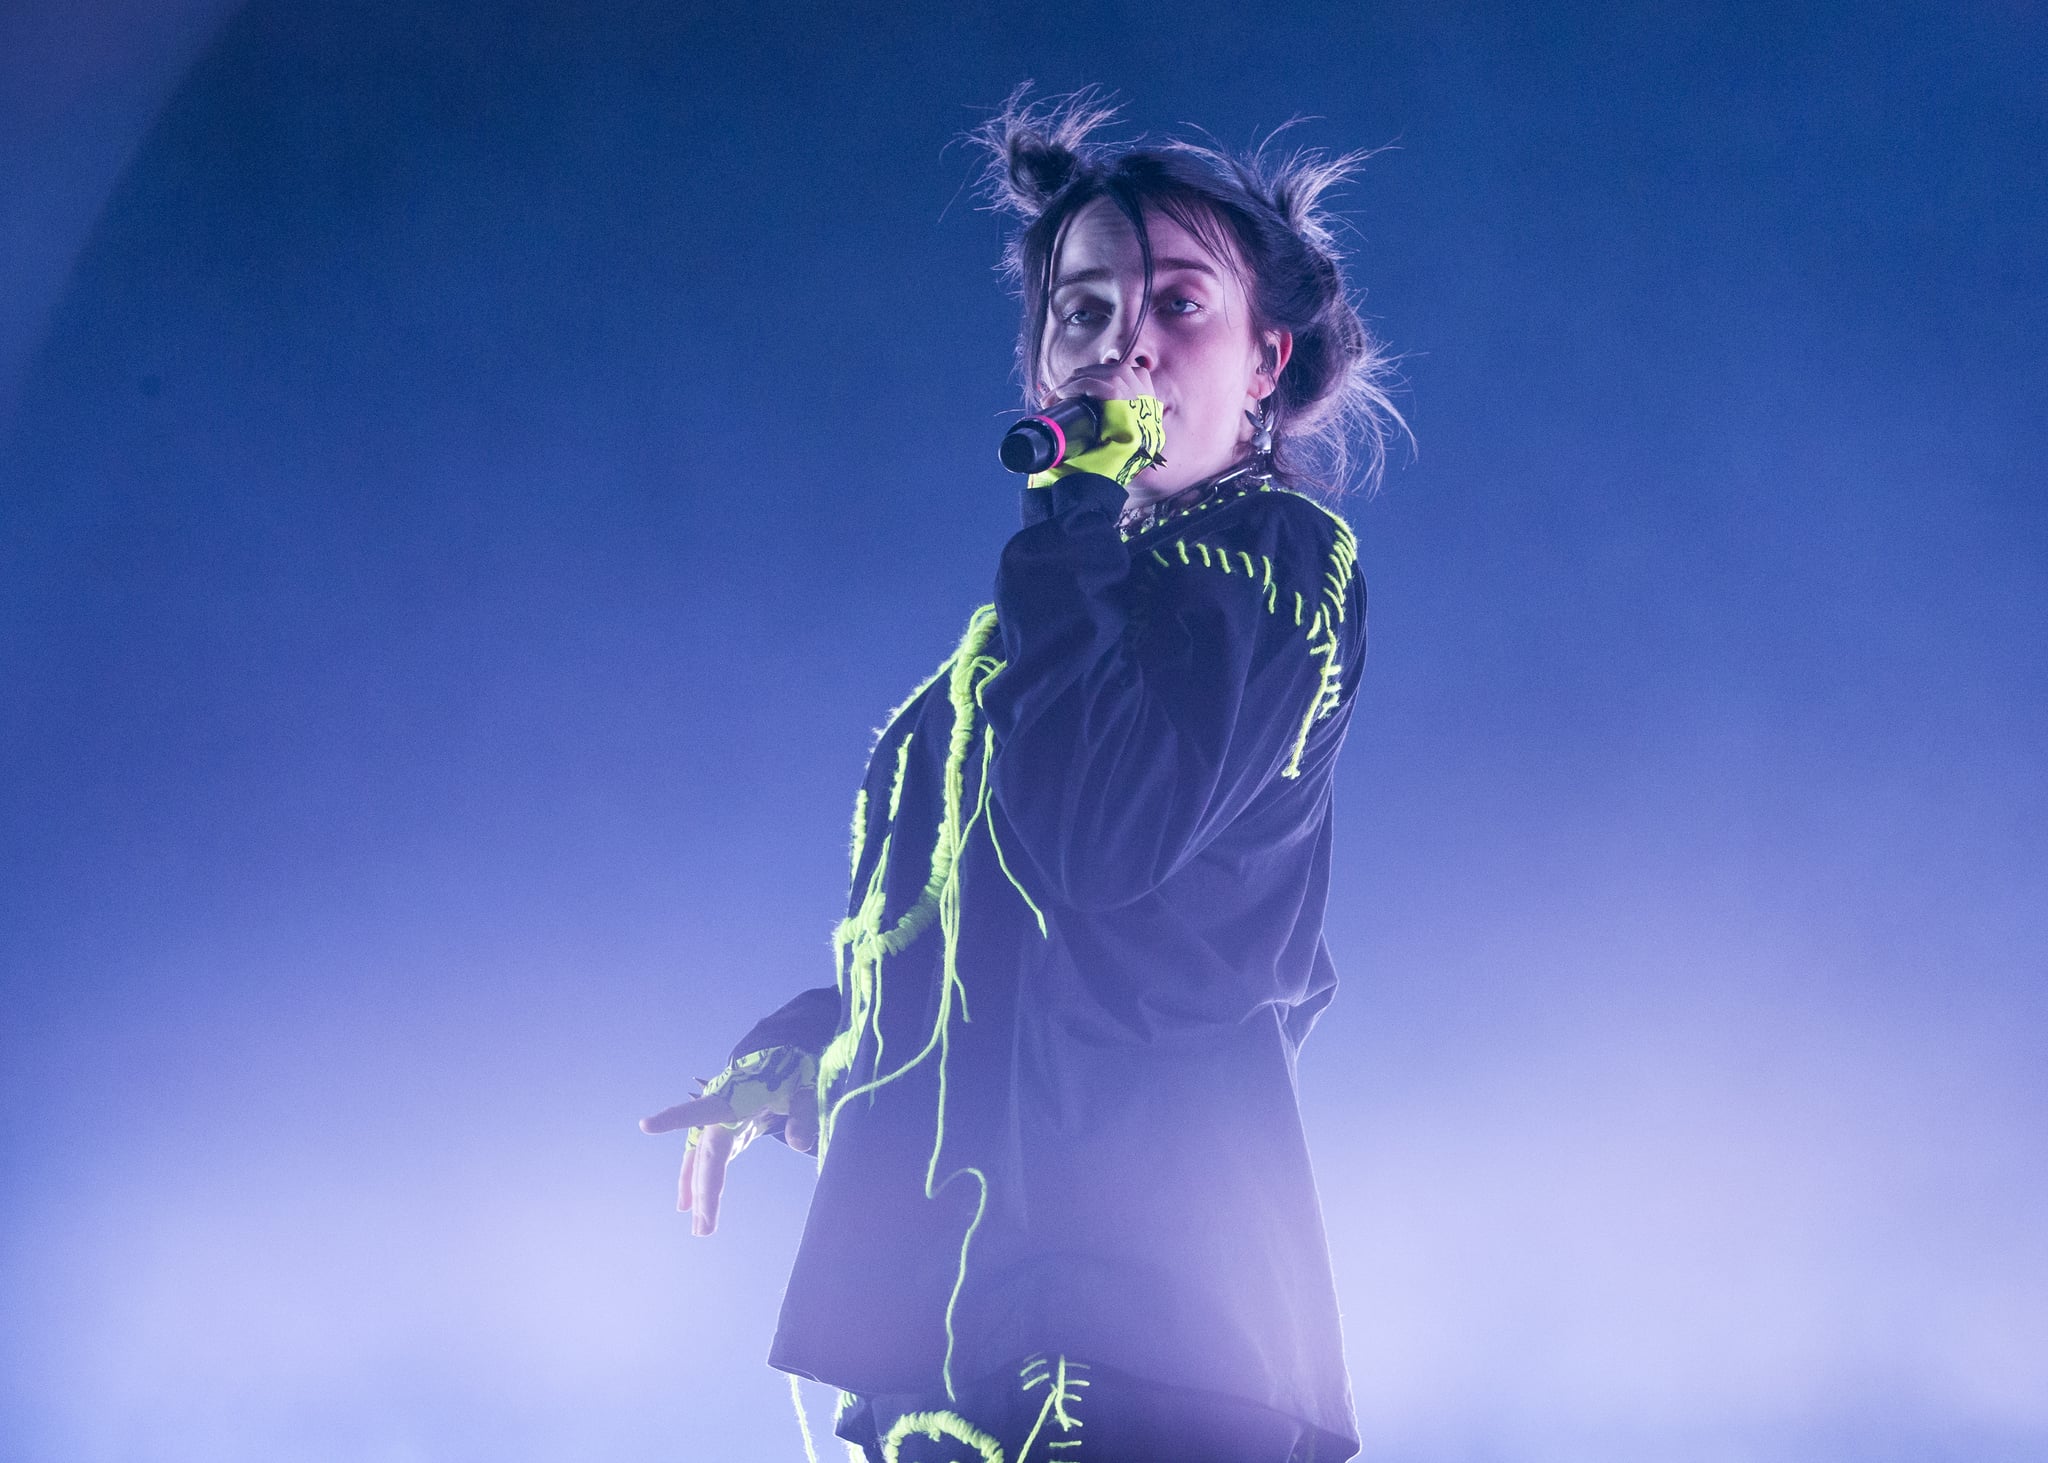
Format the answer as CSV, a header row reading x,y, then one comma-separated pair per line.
x,y
1064,1207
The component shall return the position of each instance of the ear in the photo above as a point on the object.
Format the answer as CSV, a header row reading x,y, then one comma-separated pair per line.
x,y
1275,351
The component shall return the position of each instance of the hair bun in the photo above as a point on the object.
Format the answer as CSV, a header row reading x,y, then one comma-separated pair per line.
x,y
1294,184
1039,168
1036,150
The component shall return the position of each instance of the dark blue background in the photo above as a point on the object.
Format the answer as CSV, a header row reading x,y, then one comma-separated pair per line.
x,y
476,483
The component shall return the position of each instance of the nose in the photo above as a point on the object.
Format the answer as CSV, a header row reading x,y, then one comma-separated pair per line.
x,y
1142,352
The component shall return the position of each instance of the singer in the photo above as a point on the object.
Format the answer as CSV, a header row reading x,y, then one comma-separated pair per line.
x,y
1064,1208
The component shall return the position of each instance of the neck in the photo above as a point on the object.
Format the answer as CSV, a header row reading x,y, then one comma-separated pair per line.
x,y
1142,507
1143,490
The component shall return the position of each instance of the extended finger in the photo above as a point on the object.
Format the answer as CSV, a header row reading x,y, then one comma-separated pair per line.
x,y
698,1112
712,1152
683,1184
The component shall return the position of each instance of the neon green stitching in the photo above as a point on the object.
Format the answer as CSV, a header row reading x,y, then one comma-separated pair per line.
x,y
860,937
1002,860
860,828
1267,587
845,1405
1330,682
949,924
1064,1390
856,975
980,1208
939,1426
1319,706
1036,1423
849,966
863,944
803,1422
874,973
1060,1398
1329,612
902,769
1343,555
907,702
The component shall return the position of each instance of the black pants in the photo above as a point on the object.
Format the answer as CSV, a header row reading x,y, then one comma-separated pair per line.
x,y
1054,1409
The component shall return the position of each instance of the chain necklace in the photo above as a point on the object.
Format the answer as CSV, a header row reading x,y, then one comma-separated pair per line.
x,y
1138,518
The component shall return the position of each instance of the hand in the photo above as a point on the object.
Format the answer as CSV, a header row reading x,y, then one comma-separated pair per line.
x,y
734,1109
1132,422
1109,381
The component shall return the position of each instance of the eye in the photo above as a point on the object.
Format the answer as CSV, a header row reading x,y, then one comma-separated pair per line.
x,y
1082,317
1184,305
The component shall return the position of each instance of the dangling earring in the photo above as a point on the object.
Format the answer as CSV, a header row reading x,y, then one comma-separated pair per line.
x,y
1261,419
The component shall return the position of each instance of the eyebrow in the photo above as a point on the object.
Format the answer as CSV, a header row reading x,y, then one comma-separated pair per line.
x,y
1159,266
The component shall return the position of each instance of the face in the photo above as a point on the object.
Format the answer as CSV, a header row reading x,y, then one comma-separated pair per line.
x,y
1196,344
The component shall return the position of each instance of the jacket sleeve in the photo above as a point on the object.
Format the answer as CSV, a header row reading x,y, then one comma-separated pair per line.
x,y
1143,706
806,1022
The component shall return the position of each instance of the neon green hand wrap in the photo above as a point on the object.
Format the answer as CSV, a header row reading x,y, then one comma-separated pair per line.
x,y
1133,439
761,1083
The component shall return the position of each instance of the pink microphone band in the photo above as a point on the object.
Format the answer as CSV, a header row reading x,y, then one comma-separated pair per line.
x,y
1057,436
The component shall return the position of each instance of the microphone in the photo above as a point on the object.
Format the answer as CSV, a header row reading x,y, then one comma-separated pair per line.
x,y
1038,443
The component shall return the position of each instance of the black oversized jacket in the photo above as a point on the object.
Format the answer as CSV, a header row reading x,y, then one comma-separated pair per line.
x,y
1084,944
